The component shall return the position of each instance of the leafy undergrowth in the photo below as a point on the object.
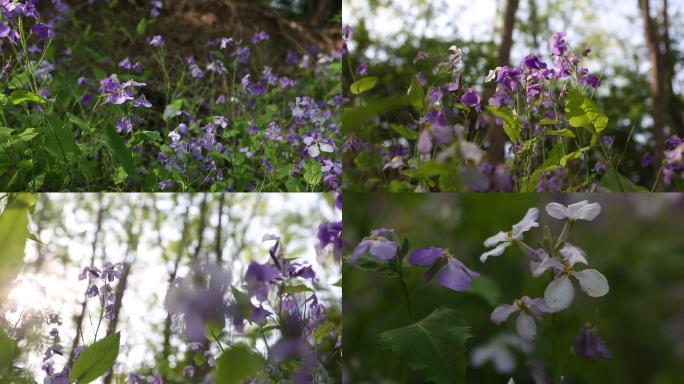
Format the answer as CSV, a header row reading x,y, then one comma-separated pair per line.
x,y
81,112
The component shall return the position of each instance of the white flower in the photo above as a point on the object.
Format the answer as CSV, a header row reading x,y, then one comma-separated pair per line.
x,y
560,292
396,163
502,240
498,350
316,146
578,211
528,308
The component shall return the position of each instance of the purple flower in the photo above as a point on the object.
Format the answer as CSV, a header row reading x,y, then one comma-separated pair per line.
x,y
558,44
331,233
89,272
362,69
5,30
124,125
454,274
142,102
156,41
508,78
533,62
260,37
588,344
380,244
608,141
471,99
257,278
41,30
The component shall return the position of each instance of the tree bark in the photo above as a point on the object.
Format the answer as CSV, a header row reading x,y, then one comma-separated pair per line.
x,y
219,248
674,104
657,78
200,229
84,303
497,138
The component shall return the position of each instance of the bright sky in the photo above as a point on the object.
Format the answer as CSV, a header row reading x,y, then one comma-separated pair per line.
x,y
143,310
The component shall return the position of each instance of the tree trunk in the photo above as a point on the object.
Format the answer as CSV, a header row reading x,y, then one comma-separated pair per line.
x,y
219,248
497,138
674,104
84,303
200,229
657,78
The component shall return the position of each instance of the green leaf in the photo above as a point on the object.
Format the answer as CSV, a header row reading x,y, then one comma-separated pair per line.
x,y
28,134
96,360
573,155
121,152
582,112
8,352
404,132
312,172
563,132
614,181
13,234
23,96
363,85
237,364
434,346
428,169
416,95
298,288
511,124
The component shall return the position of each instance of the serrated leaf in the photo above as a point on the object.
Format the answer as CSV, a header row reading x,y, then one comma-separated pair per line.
x,y
433,346
237,364
582,112
96,360
363,85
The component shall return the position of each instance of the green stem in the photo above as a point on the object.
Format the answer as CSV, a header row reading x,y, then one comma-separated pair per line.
x,y
404,288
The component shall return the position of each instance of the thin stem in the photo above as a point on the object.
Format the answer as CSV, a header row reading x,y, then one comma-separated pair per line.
x,y
554,355
404,289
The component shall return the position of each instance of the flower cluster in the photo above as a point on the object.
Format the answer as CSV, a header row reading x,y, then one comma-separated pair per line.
x,y
533,109
100,285
557,256
273,294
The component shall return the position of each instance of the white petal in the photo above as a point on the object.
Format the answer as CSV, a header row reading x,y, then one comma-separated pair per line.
x,y
592,282
502,312
504,361
556,210
314,151
559,294
481,354
496,239
573,254
527,328
547,263
511,381
586,211
528,222
471,151
308,140
495,252
325,147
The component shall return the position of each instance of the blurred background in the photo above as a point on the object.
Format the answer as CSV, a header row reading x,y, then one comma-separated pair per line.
x,y
636,242
388,35
157,237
